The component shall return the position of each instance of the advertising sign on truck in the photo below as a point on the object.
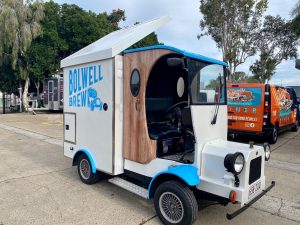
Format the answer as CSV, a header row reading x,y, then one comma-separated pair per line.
x,y
261,109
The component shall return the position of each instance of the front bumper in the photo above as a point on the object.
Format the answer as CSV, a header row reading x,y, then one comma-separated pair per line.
x,y
247,205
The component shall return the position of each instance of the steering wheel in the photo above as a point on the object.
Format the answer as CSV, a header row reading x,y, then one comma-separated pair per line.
x,y
174,113
175,106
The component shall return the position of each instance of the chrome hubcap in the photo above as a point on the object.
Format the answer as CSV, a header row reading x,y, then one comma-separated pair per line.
x,y
171,207
85,169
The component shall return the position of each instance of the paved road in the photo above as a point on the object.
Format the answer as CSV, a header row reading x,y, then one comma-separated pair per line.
x,y
38,185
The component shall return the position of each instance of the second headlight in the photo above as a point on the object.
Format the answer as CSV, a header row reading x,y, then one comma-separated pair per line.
x,y
267,149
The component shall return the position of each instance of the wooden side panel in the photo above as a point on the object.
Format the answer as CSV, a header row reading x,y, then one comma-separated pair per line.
x,y
138,146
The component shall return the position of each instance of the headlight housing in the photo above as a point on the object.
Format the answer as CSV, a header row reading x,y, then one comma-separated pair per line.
x,y
267,149
234,163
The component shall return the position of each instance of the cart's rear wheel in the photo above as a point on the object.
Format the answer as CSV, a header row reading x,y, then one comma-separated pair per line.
x,y
175,203
85,170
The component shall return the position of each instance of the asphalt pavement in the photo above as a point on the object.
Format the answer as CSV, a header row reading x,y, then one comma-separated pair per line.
x,y
38,185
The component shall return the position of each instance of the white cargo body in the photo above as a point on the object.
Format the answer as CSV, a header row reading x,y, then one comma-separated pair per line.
x,y
98,69
155,120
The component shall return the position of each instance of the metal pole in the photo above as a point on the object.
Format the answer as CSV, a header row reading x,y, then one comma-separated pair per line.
x,y
3,98
20,94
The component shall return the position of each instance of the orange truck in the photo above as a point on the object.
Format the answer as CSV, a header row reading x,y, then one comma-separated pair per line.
x,y
261,109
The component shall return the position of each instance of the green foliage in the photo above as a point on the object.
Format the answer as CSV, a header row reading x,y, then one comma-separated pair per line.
x,y
252,80
241,77
80,28
43,56
150,40
276,42
65,30
19,25
295,25
234,26
116,16
7,79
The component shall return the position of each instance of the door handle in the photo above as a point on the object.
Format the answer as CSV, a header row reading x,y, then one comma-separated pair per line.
x,y
67,127
137,104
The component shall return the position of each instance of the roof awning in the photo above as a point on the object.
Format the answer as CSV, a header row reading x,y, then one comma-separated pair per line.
x,y
114,43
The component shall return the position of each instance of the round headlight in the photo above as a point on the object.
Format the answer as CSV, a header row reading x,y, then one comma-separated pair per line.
x,y
239,163
234,163
267,149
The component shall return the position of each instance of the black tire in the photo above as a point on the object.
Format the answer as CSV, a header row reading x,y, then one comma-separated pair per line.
x,y
295,128
187,201
86,176
273,137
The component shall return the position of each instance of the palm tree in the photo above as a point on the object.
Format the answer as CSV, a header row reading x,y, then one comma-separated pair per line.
x,y
19,25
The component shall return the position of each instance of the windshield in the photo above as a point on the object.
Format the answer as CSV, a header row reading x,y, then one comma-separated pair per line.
x,y
207,82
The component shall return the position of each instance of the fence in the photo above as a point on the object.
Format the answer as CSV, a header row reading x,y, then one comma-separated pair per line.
x,y
10,103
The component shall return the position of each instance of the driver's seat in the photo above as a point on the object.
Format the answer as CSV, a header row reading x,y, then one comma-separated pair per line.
x,y
163,131
159,128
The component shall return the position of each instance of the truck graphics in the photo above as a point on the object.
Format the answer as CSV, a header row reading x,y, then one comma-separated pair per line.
x,y
81,94
244,96
244,106
240,95
259,109
282,98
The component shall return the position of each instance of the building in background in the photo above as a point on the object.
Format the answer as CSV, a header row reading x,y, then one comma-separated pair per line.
x,y
53,92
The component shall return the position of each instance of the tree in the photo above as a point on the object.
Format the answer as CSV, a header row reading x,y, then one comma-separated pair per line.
x,y
43,56
239,77
276,42
234,26
66,29
295,25
242,77
80,28
7,82
19,25
150,40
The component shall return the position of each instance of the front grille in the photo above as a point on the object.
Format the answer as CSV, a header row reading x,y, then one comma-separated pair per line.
x,y
255,170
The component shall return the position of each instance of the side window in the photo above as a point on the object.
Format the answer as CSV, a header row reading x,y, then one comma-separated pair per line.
x,y
135,82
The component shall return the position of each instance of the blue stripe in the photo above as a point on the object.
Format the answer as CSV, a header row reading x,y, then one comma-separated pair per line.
x,y
187,173
94,168
184,53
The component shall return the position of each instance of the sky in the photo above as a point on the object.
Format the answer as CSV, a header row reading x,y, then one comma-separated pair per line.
x,y
182,31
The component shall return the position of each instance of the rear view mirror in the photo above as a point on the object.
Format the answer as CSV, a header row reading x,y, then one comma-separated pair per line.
x,y
176,62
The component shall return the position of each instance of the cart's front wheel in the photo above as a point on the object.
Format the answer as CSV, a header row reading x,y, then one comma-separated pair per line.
x,y
85,170
175,203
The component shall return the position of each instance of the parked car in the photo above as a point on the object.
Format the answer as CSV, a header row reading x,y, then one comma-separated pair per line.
x,y
262,109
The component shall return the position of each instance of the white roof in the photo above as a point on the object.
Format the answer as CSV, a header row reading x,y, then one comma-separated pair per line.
x,y
114,43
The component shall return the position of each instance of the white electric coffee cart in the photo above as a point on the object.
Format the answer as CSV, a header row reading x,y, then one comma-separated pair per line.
x,y
155,120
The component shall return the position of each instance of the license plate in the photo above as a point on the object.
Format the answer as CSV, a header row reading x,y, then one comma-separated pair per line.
x,y
254,189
